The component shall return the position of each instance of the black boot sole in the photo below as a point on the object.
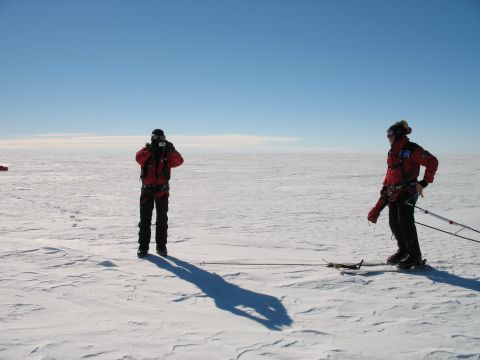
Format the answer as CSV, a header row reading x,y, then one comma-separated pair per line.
x,y
412,265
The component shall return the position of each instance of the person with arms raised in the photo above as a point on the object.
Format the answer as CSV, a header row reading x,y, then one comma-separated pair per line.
x,y
156,159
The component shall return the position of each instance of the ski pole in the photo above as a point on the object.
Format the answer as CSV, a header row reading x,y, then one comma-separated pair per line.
x,y
447,232
451,222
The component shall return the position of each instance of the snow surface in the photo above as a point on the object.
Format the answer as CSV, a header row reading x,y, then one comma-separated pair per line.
x,y
72,287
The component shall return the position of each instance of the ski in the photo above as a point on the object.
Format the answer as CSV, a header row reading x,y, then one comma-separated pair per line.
x,y
354,266
351,266
362,264
380,270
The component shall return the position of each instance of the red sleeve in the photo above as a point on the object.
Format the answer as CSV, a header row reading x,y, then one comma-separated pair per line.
x,y
424,158
142,156
175,159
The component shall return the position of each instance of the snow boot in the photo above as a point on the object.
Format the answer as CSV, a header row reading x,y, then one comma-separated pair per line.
x,y
142,252
162,250
397,257
409,262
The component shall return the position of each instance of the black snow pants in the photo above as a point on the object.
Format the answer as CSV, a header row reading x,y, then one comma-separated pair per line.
x,y
147,202
402,223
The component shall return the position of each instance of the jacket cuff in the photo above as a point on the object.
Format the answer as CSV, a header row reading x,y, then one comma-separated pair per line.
x,y
423,183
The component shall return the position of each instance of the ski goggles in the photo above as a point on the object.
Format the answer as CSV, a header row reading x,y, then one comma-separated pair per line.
x,y
158,137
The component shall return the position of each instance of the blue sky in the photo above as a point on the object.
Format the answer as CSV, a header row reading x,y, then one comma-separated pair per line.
x,y
332,73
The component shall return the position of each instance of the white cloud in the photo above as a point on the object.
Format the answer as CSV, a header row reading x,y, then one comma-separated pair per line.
x,y
230,141
234,142
64,135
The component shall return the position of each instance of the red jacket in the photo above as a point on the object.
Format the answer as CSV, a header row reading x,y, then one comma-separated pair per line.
x,y
404,160
155,169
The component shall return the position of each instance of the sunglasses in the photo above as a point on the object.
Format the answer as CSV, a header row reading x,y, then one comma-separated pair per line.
x,y
390,134
158,137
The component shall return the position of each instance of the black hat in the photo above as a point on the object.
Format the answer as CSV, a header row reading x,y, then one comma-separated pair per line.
x,y
158,135
399,129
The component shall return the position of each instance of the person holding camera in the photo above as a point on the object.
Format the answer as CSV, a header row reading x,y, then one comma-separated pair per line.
x,y
156,160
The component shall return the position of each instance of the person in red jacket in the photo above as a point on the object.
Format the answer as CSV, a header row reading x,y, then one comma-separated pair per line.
x,y
156,160
400,192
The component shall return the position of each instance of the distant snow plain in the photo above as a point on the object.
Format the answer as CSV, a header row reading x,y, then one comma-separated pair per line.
x,y
72,287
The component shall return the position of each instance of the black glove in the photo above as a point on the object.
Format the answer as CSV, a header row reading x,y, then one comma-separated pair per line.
x,y
169,146
152,149
423,183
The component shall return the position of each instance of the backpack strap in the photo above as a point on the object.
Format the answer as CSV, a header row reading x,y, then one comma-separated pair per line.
x,y
143,171
166,170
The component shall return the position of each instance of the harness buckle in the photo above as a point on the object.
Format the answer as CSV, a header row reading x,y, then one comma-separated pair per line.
x,y
156,188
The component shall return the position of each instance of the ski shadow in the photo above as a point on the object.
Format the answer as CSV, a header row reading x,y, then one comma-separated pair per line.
x,y
264,309
438,276
441,276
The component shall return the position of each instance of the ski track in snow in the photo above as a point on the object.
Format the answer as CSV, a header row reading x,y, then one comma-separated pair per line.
x,y
72,287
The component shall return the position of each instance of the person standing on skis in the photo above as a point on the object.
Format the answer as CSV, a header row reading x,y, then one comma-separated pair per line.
x,y
156,160
400,192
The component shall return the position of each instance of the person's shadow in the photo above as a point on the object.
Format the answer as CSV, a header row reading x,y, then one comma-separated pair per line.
x,y
264,309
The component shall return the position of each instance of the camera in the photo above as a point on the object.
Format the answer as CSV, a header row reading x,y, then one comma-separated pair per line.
x,y
159,145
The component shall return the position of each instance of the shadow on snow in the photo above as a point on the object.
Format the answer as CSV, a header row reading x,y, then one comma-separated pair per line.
x,y
269,310
438,276
445,277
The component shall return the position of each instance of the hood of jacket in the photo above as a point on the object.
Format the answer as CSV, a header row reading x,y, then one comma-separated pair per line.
x,y
393,158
